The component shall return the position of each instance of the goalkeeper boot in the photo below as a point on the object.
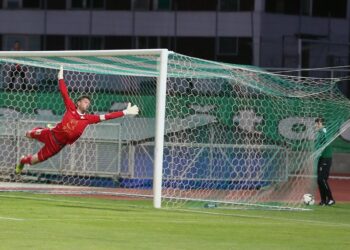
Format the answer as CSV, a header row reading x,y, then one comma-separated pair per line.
x,y
19,167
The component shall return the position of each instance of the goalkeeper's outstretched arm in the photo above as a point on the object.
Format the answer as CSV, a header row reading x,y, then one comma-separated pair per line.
x,y
64,91
130,110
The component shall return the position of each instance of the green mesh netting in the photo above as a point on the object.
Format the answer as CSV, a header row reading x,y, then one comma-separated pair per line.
x,y
234,134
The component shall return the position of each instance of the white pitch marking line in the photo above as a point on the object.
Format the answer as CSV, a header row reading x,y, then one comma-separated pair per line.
x,y
267,217
74,202
10,218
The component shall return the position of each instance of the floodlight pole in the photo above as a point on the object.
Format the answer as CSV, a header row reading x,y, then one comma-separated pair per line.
x,y
159,133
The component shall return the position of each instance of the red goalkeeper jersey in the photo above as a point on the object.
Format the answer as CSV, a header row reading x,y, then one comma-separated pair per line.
x,y
74,123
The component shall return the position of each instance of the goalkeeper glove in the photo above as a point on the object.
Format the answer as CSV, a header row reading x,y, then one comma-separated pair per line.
x,y
60,73
131,110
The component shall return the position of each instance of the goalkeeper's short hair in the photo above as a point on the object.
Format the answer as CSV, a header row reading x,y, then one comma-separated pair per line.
x,y
83,97
319,119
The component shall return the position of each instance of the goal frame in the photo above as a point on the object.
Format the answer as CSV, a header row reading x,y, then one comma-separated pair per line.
x,y
160,97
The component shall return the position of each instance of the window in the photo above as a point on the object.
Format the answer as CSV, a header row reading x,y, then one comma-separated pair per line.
x,y
283,6
146,42
80,4
25,42
153,42
202,47
275,6
118,42
13,4
118,4
87,4
31,4
96,43
338,8
164,4
306,7
321,8
235,50
195,5
98,4
236,5
166,43
246,5
79,43
328,8
55,5
229,5
143,4
228,46
54,42
85,42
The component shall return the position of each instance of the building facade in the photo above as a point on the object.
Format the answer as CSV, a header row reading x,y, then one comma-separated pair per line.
x,y
266,33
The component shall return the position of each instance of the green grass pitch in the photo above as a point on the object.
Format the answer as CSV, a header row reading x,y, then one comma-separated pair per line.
x,y
33,221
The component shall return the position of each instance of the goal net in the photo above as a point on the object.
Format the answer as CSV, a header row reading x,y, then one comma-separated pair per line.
x,y
208,133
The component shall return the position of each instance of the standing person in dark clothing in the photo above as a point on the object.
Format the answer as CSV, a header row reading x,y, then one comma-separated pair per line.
x,y
324,164
16,72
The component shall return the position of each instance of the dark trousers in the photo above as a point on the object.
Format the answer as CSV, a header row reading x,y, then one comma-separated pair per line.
x,y
323,169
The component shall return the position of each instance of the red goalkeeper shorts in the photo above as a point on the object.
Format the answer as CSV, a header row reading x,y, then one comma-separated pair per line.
x,y
51,147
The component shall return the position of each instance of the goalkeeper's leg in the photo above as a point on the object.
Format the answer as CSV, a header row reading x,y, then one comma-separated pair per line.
x,y
36,133
29,159
44,153
50,148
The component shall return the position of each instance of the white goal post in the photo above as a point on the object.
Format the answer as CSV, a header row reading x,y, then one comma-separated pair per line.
x,y
160,121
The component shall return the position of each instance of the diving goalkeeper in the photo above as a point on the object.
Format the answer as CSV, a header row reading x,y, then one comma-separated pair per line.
x,y
72,126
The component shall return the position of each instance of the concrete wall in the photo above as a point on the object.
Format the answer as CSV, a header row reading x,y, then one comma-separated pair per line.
x,y
121,23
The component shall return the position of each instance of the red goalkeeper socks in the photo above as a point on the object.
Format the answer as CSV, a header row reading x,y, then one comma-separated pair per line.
x,y
26,160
